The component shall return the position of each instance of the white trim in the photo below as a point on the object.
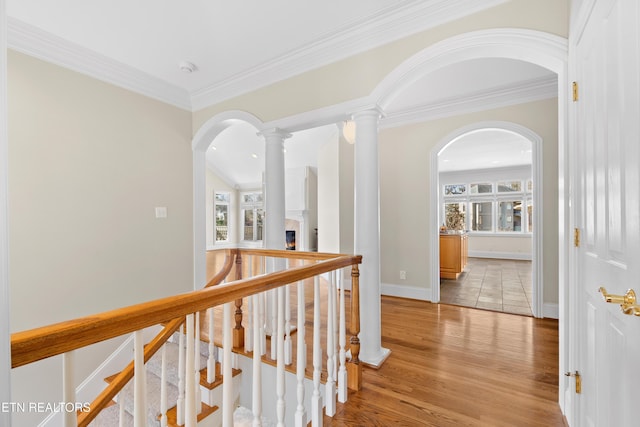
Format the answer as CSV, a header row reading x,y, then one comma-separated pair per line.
x,y
367,32
551,310
500,255
5,307
43,45
404,291
528,91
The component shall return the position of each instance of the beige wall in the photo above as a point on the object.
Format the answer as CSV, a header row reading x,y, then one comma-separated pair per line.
x,y
405,192
88,164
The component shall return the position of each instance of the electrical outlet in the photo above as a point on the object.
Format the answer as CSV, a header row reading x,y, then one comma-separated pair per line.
x,y
403,275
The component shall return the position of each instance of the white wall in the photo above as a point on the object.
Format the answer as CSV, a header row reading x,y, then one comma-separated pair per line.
x,y
89,163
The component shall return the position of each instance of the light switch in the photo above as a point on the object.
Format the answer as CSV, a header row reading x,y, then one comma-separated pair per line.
x,y
161,212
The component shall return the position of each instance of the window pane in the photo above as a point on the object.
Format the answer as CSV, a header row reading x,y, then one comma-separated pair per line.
x,y
222,231
252,198
510,216
455,216
481,216
454,189
222,197
481,188
248,224
259,223
530,216
509,186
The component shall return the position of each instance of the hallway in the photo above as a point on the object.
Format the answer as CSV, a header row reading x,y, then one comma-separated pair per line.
x,y
491,284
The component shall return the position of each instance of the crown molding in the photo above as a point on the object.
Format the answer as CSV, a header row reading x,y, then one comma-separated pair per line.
x,y
488,99
40,44
355,37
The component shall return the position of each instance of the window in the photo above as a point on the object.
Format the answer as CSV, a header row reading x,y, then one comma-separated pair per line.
x,y
509,186
483,188
221,203
482,216
489,207
510,215
252,216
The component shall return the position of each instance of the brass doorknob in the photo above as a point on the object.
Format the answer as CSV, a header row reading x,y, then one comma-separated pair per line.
x,y
627,301
629,298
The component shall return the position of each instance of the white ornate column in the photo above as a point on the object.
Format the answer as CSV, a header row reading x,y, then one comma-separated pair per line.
x,y
5,338
274,207
367,234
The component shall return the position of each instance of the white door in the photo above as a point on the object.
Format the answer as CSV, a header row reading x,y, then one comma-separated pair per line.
x,y
606,144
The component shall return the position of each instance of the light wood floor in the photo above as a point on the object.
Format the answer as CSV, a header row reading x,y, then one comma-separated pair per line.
x,y
457,366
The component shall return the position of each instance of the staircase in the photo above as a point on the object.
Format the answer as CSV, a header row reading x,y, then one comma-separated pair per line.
x,y
284,386
211,393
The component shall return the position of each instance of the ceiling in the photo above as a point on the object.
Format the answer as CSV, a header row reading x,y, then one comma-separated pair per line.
x,y
239,46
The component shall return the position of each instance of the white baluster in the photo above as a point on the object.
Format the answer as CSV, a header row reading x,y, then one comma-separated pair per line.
x,y
316,398
330,385
334,304
280,405
120,411
190,418
69,388
163,388
262,303
274,323
181,372
248,332
257,363
342,340
196,364
301,362
288,346
139,382
211,361
227,374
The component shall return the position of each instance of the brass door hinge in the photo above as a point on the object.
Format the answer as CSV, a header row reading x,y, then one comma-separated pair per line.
x,y
578,378
575,91
576,237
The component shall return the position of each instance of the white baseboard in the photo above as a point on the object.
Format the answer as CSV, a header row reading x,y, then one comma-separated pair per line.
x,y
404,291
550,310
500,255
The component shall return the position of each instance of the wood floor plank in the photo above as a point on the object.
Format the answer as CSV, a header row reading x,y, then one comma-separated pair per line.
x,y
457,366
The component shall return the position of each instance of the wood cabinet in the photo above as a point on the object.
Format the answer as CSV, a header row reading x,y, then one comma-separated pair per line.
x,y
453,254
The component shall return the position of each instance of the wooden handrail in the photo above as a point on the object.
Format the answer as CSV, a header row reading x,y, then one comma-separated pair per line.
x,y
40,343
230,254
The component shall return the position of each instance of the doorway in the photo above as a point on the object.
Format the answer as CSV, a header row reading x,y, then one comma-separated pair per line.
x,y
487,193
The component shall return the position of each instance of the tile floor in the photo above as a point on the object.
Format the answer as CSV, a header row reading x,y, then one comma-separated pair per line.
x,y
491,284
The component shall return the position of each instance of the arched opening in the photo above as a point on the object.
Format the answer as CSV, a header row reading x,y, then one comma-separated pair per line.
x,y
489,173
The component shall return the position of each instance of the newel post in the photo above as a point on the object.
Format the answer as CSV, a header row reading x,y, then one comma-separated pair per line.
x,y
354,368
238,330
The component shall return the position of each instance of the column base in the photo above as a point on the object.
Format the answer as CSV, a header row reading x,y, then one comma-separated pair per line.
x,y
376,362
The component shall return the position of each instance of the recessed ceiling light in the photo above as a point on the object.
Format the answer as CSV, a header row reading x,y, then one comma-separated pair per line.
x,y
213,147
254,155
187,67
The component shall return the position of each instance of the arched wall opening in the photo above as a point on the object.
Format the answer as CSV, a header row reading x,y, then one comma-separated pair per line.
x,y
200,143
538,198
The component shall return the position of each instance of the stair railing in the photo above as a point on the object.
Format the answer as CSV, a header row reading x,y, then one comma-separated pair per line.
x,y
65,337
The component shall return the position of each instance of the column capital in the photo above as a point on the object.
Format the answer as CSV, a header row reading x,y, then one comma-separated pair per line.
x,y
274,133
371,111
